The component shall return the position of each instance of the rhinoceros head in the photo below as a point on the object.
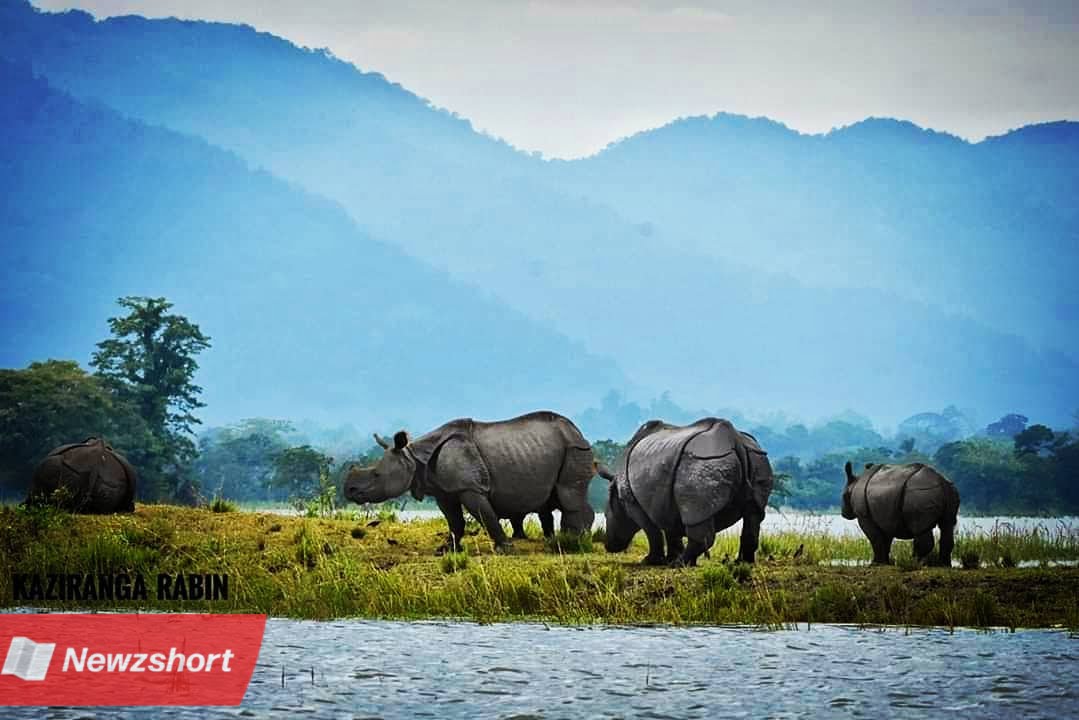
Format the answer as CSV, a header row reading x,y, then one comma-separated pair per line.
x,y
389,477
620,526
847,507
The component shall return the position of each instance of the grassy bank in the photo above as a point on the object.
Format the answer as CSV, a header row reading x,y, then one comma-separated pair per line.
x,y
324,568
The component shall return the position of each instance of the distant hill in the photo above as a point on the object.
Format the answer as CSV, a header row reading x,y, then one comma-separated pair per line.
x,y
727,259
309,317
990,229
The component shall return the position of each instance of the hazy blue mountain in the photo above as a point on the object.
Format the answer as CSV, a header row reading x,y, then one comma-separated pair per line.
x,y
729,260
988,229
309,317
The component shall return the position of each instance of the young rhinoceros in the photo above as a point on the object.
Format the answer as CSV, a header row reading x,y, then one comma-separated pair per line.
x,y
694,481
532,463
902,501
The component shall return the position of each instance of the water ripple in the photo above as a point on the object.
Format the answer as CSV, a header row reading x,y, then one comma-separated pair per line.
x,y
529,672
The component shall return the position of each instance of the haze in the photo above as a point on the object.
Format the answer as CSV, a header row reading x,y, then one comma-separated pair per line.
x,y
565,79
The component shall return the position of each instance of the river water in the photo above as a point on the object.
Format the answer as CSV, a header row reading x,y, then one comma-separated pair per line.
x,y
368,669
800,521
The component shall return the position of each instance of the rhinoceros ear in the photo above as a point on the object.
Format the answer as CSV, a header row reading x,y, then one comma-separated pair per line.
x,y
868,465
850,473
400,439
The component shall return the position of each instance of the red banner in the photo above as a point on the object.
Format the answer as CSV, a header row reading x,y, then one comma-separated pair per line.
x,y
127,659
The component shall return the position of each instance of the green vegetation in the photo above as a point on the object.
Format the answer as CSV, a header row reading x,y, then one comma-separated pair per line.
x,y
569,542
220,505
324,568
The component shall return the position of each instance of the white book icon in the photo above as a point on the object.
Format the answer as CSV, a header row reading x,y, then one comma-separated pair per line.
x,y
27,659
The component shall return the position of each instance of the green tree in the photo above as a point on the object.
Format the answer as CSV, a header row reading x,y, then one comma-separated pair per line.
x,y
300,470
150,362
237,462
1008,426
1034,440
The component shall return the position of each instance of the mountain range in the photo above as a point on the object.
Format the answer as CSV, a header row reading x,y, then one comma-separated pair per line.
x,y
359,254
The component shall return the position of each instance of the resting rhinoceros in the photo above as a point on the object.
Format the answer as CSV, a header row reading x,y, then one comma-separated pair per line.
x,y
86,477
902,501
532,463
695,481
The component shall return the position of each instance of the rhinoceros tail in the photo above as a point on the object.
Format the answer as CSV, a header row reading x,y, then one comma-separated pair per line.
x,y
602,470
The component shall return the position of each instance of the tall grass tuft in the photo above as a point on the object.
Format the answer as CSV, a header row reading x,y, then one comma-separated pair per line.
x,y
221,505
453,562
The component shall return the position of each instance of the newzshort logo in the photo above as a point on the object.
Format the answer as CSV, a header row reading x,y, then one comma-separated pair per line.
x,y
27,659
127,659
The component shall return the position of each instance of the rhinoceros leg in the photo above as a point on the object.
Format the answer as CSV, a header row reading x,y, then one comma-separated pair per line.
x,y
701,536
751,533
546,522
518,523
882,544
577,514
655,554
480,508
455,518
674,544
923,545
947,542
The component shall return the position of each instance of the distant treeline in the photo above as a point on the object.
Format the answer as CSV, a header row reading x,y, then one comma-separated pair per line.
x,y
142,397
1007,467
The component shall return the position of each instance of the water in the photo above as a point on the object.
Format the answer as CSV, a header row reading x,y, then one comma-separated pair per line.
x,y
368,669
789,520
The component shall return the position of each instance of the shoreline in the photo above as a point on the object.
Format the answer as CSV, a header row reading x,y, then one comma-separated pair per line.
x,y
599,625
383,569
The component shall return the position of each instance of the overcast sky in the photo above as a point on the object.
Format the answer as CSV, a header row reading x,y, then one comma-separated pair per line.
x,y
566,78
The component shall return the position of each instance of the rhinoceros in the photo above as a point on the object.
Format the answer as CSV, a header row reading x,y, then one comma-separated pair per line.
x,y
532,463
692,480
902,501
86,477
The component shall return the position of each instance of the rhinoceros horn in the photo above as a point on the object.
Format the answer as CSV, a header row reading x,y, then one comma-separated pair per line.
x,y
850,473
382,443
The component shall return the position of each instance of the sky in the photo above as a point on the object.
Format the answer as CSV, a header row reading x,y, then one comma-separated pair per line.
x,y
566,78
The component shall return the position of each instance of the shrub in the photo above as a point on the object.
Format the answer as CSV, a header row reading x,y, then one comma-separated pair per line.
x,y
970,560
221,505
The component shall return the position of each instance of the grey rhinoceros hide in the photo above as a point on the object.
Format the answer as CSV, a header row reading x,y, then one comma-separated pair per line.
x,y
761,478
91,477
517,464
685,475
903,500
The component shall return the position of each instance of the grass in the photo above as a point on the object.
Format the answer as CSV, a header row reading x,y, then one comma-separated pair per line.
x,y
351,566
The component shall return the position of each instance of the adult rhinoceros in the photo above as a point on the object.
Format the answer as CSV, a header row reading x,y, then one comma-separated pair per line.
x,y
902,501
86,477
692,480
531,463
